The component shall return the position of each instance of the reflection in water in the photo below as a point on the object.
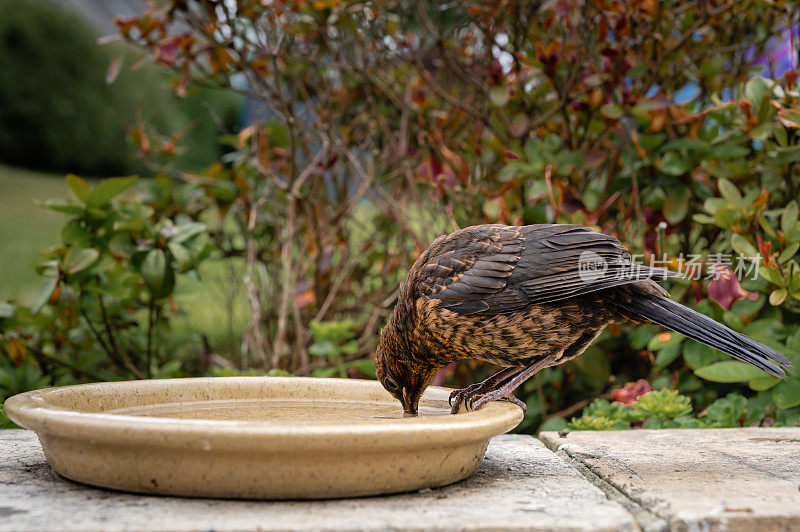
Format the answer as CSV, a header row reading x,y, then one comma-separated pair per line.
x,y
282,411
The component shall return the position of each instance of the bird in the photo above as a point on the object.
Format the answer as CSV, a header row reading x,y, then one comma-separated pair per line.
x,y
526,298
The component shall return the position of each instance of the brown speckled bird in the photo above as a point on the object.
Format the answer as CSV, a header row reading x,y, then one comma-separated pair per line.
x,y
527,298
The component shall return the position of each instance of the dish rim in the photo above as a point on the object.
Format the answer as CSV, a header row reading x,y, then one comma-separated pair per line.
x,y
32,411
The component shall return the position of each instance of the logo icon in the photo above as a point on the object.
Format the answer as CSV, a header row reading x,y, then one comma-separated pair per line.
x,y
591,266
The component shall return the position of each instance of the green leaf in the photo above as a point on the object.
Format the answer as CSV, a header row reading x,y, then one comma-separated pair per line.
x,y
187,231
729,371
364,365
73,232
793,348
726,151
597,423
766,226
664,339
171,368
60,205
349,348
787,394
755,90
107,189
612,410
767,330
554,424
78,260
697,355
325,372
322,349
764,382
674,164
748,307
666,356
742,246
778,296
42,294
727,411
96,214
611,111
787,418
703,219
771,275
182,256
663,404
78,188
7,310
653,423
677,204
789,117
733,320
762,131
642,336
788,252
688,422
121,244
712,205
757,408
498,95
224,190
154,269
789,217
730,192
108,289
725,218
781,137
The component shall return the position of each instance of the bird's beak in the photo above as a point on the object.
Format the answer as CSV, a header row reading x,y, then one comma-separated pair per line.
x,y
409,403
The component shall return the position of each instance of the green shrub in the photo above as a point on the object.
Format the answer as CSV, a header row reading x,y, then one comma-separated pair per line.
x,y
668,409
104,308
537,114
334,343
57,112
394,123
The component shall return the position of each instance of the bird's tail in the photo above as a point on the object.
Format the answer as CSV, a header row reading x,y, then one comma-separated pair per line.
x,y
703,329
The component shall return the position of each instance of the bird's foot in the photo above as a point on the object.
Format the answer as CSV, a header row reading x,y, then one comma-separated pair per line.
x,y
468,394
476,395
496,395
465,395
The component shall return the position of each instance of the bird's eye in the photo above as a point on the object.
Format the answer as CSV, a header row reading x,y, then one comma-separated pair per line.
x,y
390,384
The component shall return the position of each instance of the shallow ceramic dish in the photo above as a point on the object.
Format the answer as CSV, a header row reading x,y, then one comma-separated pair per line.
x,y
256,437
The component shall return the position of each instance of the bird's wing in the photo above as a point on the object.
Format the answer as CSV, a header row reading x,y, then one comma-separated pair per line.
x,y
494,269
467,268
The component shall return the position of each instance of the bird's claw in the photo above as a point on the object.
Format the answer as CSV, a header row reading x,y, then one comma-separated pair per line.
x,y
497,395
456,396
474,399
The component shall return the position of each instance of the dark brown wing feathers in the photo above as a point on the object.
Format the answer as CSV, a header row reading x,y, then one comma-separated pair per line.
x,y
496,269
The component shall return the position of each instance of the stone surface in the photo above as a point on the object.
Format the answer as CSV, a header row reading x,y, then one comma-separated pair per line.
x,y
724,479
520,485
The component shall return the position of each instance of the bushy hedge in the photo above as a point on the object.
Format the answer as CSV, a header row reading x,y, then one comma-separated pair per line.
x,y
59,113
56,111
393,122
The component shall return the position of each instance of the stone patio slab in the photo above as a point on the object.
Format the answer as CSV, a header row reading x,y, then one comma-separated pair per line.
x,y
520,485
722,479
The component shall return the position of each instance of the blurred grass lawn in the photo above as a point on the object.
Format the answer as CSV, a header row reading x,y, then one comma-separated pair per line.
x,y
26,229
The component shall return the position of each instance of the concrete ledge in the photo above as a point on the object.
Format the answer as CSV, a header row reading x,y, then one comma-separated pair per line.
x,y
722,479
520,485
726,479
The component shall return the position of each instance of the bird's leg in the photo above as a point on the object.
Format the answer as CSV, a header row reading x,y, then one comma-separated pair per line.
x,y
506,391
466,394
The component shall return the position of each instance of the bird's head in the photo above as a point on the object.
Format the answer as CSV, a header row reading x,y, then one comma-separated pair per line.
x,y
401,374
